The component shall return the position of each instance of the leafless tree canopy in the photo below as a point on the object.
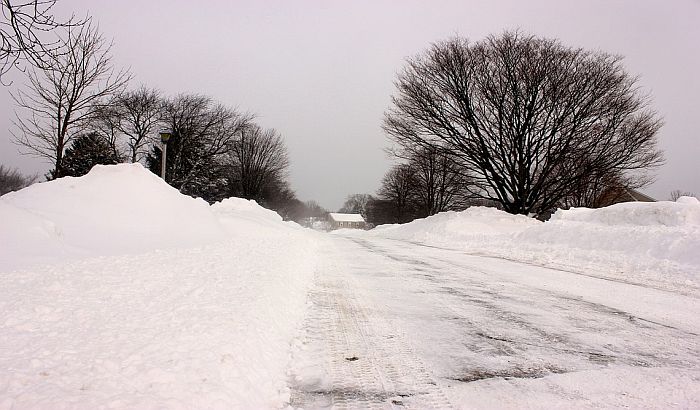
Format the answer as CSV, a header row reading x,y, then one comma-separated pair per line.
x,y
13,180
677,193
398,188
441,182
530,119
429,181
202,132
133,116
356,204
258,163
62,100
28,33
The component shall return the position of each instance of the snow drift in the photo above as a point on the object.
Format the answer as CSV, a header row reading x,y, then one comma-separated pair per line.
x,y
112,210
152,299
660,231
472,224
653,243
237,214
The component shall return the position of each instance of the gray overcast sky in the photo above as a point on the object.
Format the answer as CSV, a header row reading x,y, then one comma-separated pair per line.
x,y
321,72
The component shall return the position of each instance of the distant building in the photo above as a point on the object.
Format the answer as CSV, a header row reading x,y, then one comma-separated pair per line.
x,y
352,221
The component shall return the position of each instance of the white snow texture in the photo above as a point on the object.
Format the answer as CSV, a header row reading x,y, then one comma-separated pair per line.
x,y
117,291
648,243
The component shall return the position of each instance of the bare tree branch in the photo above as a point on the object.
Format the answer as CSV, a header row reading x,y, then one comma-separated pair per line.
x,y
528,118
62,101
258,160
28,32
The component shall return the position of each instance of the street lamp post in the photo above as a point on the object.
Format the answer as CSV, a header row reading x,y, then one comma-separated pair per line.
x,y
164,137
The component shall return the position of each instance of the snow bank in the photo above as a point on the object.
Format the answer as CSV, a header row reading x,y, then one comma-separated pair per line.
x,y
661,231
651,243
682,213
152,299
238,214
208,327
112,210
475,223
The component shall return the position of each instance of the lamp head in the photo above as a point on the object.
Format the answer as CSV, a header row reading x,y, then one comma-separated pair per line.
x,y
165,136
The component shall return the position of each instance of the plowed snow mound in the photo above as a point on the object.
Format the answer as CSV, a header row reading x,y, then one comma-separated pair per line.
x,y
685,212
474,223
236,214
663,231
181,305
113,209
653,243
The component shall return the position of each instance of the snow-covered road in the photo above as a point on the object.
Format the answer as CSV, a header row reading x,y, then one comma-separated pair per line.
x,y
117,291
393,324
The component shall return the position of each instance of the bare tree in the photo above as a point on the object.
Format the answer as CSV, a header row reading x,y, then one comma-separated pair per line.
x,y
314,210
26,33
441,183
63,99
597,191
398,187
258,162
281,198
356,204
13,180
105,124
202,132
135,115
380,211
528,117
677,193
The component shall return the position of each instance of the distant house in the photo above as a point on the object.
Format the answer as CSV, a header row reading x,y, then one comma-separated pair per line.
x,y
353,221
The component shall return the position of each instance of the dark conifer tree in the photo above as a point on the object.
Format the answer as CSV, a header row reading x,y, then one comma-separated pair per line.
x,y
84,153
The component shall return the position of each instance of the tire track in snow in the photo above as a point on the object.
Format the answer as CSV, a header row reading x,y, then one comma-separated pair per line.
x,y
594,317
691,292
354,358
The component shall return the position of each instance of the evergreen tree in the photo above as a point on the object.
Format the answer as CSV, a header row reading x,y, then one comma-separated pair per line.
x,y
84,153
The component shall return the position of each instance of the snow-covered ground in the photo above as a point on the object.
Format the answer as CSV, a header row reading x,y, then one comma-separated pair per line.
x,y
654,244
152,299
423,327
116,291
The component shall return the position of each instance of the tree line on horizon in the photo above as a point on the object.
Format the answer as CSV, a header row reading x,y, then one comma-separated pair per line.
x,y
516,121
77,111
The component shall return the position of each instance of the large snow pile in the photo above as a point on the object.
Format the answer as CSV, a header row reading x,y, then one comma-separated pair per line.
x,y
238,214
473,224
653,243
667,232
112,210
199,309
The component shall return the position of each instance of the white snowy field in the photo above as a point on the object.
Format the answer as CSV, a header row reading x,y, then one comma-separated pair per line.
x,y
116,291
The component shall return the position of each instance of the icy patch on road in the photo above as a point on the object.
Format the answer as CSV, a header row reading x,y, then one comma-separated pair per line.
x,y
647,243
624,387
